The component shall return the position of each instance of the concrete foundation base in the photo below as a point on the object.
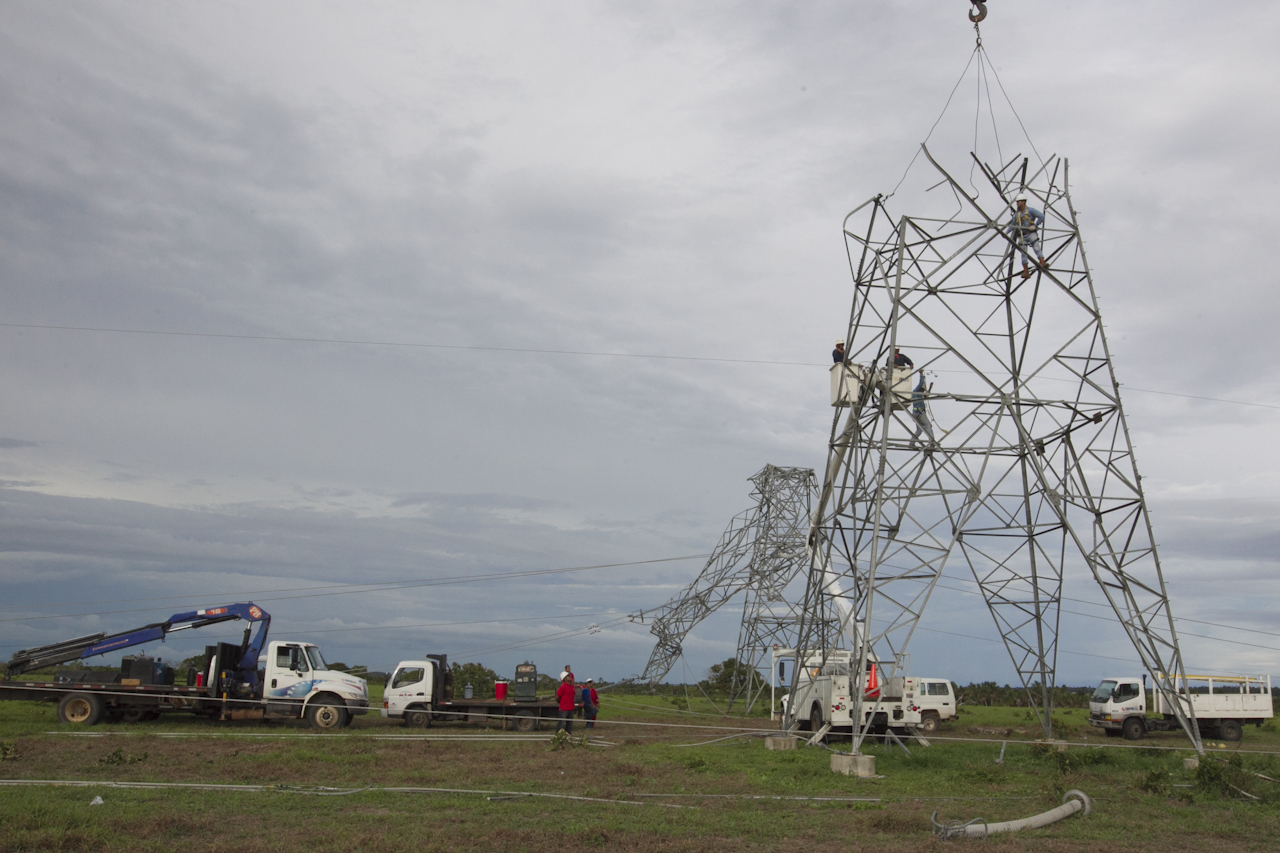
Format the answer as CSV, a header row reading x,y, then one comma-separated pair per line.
x,y
862,766
1190,763
781,742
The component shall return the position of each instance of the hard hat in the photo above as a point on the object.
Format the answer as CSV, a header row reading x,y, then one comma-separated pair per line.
x,y
564,675
839,343
1021,197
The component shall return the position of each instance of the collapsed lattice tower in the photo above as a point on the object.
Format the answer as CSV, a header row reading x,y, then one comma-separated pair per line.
x,y
760,554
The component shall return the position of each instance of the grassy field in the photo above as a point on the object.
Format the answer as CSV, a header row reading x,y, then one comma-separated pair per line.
x,y
659,787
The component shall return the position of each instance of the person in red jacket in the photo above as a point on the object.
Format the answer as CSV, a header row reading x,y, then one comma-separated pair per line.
x,y
567,696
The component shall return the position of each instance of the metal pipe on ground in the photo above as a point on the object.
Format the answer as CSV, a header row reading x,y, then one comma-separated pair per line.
x,y
1073,802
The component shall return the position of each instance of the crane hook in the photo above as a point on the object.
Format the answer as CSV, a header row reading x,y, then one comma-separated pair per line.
x,y
979,11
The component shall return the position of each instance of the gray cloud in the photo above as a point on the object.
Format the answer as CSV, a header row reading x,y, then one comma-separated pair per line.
x,y
664,180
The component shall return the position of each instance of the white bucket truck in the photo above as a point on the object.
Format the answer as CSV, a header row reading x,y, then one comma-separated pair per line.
x,y
823,695
1222,705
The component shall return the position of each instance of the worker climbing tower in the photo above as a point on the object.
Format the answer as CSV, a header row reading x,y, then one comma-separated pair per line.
x,y
1008,458
760,554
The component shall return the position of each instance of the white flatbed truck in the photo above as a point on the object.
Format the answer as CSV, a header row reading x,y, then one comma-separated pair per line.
x,y
1223,705
420,692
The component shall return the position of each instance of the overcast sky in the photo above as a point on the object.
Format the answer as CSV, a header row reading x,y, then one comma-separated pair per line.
x,y
655,180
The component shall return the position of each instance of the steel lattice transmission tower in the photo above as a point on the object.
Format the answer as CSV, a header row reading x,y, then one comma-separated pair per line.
x,y
1032,473
759,555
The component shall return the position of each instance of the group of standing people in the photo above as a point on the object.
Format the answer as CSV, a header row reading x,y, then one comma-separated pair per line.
x,y
571,697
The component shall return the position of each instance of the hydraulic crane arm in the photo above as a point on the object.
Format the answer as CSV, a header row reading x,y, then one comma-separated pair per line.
x,y
98,644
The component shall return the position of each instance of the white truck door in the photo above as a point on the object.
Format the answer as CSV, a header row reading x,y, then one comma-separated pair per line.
x,y
290,675
941,698
408,685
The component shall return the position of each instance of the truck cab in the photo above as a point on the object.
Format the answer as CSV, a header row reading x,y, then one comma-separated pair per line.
x,y
1118,706
298,682
935,699
412,691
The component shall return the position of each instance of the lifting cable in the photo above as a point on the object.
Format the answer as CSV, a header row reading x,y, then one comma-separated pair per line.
x,y
985,66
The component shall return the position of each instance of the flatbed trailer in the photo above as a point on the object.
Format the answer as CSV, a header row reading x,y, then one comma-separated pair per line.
x,y
293,682
508,713
88,703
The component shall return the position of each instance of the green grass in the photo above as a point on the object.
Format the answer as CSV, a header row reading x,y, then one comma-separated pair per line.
x,y
1144,799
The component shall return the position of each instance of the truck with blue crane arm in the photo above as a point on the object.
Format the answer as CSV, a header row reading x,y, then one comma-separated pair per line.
x,y
234,683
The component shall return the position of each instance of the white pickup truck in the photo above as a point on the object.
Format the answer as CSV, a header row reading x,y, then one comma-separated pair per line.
x,y
1222,705
823,695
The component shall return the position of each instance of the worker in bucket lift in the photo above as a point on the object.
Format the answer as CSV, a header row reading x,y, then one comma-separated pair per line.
x,y
566,695
837,354
901,359
920,413
1022,228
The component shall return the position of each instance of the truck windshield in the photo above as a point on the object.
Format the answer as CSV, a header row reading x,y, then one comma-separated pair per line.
x,y
1103,693
317,659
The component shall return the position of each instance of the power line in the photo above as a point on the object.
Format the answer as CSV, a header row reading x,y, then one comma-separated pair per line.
x,y
603,353
544,638
389,586
488,621
1112,618
406,344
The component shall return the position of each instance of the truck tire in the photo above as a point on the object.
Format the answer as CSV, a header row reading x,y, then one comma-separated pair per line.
x,y
815,719
326,714
1230,730
132,715
417,718
525,721
83,709
1133,728
928,723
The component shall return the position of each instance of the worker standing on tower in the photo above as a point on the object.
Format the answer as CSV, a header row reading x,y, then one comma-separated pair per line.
x,y
837,354
1022,228
920,412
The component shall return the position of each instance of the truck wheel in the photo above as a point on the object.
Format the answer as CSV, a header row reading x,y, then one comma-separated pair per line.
x,y
83,709
526,722
1133,729
326,715
815,719
929,724
417,719
1230,730
132,715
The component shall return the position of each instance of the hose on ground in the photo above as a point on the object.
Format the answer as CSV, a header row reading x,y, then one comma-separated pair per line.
x,y
1072,802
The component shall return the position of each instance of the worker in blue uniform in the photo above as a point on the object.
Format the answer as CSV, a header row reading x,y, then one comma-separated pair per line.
x,y
1024,227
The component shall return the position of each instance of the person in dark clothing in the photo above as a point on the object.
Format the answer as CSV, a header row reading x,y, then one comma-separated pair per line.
x,y
566,695
901,359
837,354
590,703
